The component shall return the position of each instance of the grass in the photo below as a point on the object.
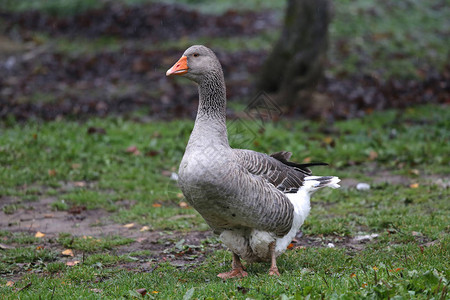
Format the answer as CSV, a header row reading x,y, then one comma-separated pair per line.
x,y
409,258
120,168
385,39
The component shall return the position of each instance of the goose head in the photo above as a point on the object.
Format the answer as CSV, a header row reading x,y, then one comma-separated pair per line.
x,y
197,63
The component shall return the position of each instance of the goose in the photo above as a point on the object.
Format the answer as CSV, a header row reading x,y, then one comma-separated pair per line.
x,y
255,202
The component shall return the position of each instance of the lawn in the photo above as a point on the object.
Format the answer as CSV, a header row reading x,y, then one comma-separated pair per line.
x,y
89,202
105,184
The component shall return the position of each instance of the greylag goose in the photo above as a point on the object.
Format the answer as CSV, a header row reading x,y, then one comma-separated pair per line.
x,y
255,202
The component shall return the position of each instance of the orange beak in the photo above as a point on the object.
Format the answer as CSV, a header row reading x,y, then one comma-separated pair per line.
x,y
179,68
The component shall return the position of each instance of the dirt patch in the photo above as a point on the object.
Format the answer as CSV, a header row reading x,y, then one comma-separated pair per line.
x,y
155,22
381,177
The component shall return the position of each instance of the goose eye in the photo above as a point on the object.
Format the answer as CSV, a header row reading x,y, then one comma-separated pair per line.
x,y
196,54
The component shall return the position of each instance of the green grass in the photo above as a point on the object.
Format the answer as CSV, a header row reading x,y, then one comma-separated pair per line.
x,y
389,38
409,258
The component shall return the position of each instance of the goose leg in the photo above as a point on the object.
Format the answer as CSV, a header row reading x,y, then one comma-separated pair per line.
x,y
273,260
237,270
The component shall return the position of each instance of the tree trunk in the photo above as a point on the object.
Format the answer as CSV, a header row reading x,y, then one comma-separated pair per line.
x,y
295,65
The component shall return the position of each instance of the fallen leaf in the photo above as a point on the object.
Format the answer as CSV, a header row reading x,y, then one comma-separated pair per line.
x,y
373,155
39,234
307,160
79,183
328,140
151,153
156,205
51,172
141,239
414,172
155,292
130,225
10,283
76,210
243,290
183,204
133,150
72,263
39,247
145,228
414,185
98,130
67,252
142,291
375,268
48,216
5,247
290,246
352,275
180,195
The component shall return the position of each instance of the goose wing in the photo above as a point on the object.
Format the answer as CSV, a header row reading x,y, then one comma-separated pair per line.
x,y
276,169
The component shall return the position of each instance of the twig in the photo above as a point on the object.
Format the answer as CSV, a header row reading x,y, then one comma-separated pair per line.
x,y
324,279
53,292
25,287
444,292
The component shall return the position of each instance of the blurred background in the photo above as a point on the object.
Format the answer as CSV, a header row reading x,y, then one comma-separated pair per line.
x,y
320,59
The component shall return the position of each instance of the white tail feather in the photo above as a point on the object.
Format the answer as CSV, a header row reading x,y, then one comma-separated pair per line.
x,y
313,183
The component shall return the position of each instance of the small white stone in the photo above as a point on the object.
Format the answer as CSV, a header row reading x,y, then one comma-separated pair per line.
x,y
362,186
330,245
174,176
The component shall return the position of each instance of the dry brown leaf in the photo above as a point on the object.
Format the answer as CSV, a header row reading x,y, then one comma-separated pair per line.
x,y
10,283
145,228
133,150
130,225
414,185
79,183
39,247
67,252
307,160
180,196
183,204
373,155
39,234
48,216
141,239
328,140
72,263
142,291
51,172
414,172
290,246
76,166
156,205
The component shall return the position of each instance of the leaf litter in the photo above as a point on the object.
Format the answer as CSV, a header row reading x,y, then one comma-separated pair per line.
x,y
50,84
